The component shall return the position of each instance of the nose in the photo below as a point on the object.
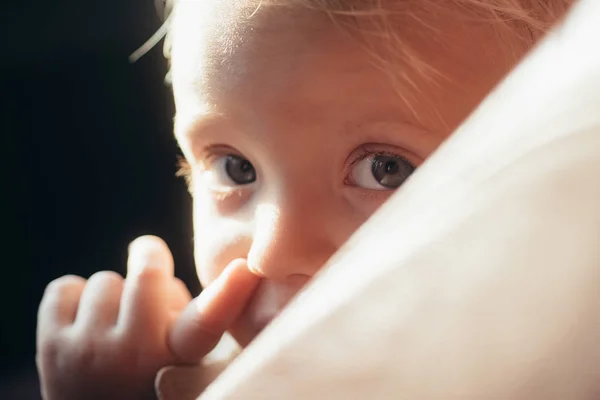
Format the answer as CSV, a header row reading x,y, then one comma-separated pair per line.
x,y
291,240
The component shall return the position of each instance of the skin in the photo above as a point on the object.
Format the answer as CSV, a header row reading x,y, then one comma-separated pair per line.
x,y
265,100
107,337
305,104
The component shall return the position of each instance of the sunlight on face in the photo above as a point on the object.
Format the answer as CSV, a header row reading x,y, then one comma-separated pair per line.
x,y
295,137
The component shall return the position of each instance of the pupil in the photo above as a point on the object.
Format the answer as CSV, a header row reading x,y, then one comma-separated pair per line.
x,y
391,167
246,166
240,170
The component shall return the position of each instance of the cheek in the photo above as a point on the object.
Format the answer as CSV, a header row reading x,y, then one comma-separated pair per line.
x,y
365,203
218,240
205,257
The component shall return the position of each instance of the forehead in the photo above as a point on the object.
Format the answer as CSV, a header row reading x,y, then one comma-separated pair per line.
x,y
221,49
232,55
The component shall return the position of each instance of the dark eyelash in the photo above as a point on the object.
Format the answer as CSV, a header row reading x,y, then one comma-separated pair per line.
x,y
184,168
365,152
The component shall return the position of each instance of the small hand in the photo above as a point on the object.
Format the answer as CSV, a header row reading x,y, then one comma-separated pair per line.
x,y
106,338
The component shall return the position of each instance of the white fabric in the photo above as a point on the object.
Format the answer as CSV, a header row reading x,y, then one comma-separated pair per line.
x,y
481,278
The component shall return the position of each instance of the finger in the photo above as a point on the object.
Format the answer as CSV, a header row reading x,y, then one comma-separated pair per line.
x,y
99,304
180,295
147,290
143,247
208,316
59,304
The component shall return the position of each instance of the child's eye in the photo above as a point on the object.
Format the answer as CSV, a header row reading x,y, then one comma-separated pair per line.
x,y
380,172
232,169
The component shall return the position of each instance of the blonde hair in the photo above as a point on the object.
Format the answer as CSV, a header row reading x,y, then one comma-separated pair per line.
x,y
376,22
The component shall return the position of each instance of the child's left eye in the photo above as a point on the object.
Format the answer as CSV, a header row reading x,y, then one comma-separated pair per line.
x,y
380,172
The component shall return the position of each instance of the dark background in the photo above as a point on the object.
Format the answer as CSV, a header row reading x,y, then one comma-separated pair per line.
x,y
88,157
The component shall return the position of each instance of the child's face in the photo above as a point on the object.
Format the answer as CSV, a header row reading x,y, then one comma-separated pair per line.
x,y
295,138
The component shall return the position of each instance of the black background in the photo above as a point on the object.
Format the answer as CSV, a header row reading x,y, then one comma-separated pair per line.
x,y
88,157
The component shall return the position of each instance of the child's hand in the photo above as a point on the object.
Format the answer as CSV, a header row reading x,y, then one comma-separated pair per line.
x,y
107,337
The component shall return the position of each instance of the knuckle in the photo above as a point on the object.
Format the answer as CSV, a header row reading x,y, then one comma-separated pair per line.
x,y
50,347
85,353
76,348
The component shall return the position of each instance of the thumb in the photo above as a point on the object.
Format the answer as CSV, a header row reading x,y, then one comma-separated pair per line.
x,y
200,326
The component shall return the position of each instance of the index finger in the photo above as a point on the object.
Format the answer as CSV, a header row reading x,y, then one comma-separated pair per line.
x,y
147,250
203,322
147,291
